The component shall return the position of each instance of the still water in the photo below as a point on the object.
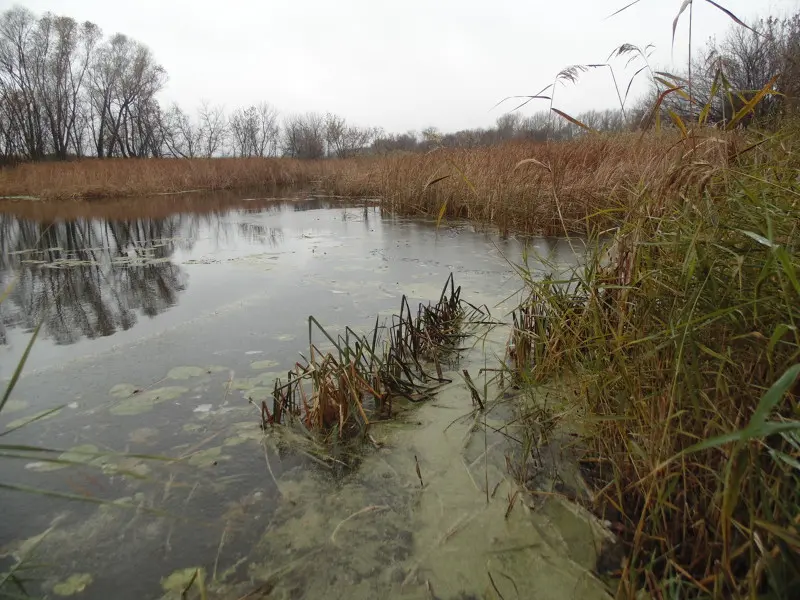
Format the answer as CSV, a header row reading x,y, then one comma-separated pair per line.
x,y
161,319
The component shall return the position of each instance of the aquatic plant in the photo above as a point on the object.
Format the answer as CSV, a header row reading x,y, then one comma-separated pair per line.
x,y
344,389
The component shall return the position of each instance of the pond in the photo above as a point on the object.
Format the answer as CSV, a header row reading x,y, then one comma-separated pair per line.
x,y
162,319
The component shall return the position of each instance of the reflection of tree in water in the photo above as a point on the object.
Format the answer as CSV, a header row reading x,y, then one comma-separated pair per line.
x,y
257,233
91,276
95,277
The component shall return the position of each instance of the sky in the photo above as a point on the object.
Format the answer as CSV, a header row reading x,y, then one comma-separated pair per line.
x,y
402,65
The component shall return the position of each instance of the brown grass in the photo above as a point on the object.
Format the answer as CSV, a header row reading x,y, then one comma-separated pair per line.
x,y
91,179
525,187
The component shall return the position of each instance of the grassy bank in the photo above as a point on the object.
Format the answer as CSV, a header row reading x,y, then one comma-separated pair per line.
x,y
677,343
524,186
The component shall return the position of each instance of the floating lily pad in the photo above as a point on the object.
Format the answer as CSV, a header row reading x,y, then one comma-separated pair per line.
x,y
185,372
74,584
260,365
145,401
261,380
40,416
83,454
206,458
123,390
179,580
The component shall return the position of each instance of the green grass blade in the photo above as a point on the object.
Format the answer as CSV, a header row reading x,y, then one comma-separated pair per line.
x,y
20,366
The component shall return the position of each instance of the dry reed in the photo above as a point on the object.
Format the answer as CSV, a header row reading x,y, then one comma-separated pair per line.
x,y
92,178
519,186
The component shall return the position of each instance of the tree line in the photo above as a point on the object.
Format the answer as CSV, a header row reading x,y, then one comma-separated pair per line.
x,y
66,91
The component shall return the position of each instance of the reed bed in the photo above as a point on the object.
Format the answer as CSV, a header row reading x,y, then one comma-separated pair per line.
x,y
678,341
341,391
526,187
548,188
113,178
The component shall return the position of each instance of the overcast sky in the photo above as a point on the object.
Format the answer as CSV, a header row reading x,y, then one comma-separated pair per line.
x,y
403,64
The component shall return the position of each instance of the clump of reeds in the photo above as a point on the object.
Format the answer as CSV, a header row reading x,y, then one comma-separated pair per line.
x,y
341,391
680,340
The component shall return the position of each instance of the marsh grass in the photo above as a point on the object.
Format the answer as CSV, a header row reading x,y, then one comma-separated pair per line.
x,y
679,339
115,178
340,392
525,187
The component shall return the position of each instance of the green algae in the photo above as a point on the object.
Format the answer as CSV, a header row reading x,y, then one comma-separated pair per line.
x,y
208,457
74,584
260,365
178,581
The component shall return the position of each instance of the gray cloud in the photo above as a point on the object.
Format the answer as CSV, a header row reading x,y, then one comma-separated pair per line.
x,y
401,65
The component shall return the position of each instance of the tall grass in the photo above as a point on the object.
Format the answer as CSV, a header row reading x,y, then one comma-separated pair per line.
x,y
91,178
536,188
521,186
671,339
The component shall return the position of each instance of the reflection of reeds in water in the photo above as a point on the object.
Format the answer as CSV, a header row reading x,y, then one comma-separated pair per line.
x,y
343,390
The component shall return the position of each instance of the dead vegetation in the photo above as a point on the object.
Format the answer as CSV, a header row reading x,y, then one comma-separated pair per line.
x,y
339,391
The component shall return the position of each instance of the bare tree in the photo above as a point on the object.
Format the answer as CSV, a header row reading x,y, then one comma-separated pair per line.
x,y
304,136
181,136
22,64
254,131
213,129
124,81
70,49
345,140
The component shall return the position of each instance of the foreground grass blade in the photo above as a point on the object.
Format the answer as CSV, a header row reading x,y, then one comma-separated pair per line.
x,y
20,366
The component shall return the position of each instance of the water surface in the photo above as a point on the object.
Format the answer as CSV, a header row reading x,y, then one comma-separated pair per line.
x,y
197,304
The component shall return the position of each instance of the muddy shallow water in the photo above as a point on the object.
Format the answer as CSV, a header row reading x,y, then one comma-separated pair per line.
x,y
156,333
